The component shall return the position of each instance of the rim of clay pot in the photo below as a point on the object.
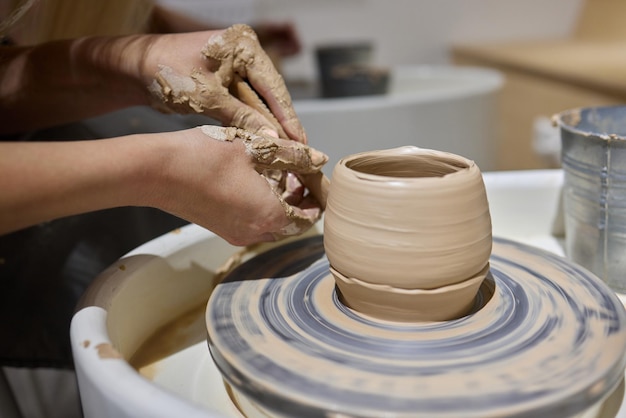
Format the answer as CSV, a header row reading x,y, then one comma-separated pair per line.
x,y
401,163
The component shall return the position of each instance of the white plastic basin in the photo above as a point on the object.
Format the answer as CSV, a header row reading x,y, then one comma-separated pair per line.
x,y
446,108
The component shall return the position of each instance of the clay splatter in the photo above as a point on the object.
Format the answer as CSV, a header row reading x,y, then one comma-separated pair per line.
x,y
106,351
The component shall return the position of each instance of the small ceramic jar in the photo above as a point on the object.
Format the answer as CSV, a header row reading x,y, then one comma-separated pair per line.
x,y
407,232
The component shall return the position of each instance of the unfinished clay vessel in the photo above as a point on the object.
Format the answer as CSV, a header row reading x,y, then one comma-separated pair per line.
x,y
407,232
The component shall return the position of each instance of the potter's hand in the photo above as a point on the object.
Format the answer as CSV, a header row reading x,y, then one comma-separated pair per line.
x,y
193,77
208,176
193,72
283,164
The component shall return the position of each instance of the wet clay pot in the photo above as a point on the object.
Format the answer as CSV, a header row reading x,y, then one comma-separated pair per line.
x,y
407,232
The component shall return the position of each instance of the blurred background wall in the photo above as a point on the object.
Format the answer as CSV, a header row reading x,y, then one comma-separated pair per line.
x,y
404,31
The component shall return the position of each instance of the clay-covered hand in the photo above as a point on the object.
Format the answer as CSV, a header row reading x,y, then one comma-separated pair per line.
x,y
196,72
271,158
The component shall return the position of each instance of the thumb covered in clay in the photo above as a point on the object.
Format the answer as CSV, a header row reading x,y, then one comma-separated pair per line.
x,y
272,153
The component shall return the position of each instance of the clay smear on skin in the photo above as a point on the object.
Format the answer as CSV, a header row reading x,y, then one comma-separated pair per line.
x,y
187,93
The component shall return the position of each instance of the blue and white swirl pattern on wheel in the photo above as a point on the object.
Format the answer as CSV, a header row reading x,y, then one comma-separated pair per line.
x,y
546,338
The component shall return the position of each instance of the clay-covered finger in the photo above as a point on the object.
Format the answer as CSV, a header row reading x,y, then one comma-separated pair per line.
x,y
238,51
242,91
272,153
266,81
318,185
236,113
294,190
285,155
302,211
301,217
220,104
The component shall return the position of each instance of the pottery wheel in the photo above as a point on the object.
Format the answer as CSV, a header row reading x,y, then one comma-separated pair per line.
x,y
545,338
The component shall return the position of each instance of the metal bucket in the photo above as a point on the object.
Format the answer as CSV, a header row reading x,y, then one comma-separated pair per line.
x,y
594,193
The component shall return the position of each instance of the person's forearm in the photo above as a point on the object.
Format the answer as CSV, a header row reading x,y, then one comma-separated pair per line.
x,y
45,181
66,81
207,175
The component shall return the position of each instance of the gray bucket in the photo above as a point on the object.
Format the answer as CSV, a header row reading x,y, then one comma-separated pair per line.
x,y
345,70
594,193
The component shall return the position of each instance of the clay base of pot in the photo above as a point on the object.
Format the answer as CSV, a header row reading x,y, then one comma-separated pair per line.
x,y
414,305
